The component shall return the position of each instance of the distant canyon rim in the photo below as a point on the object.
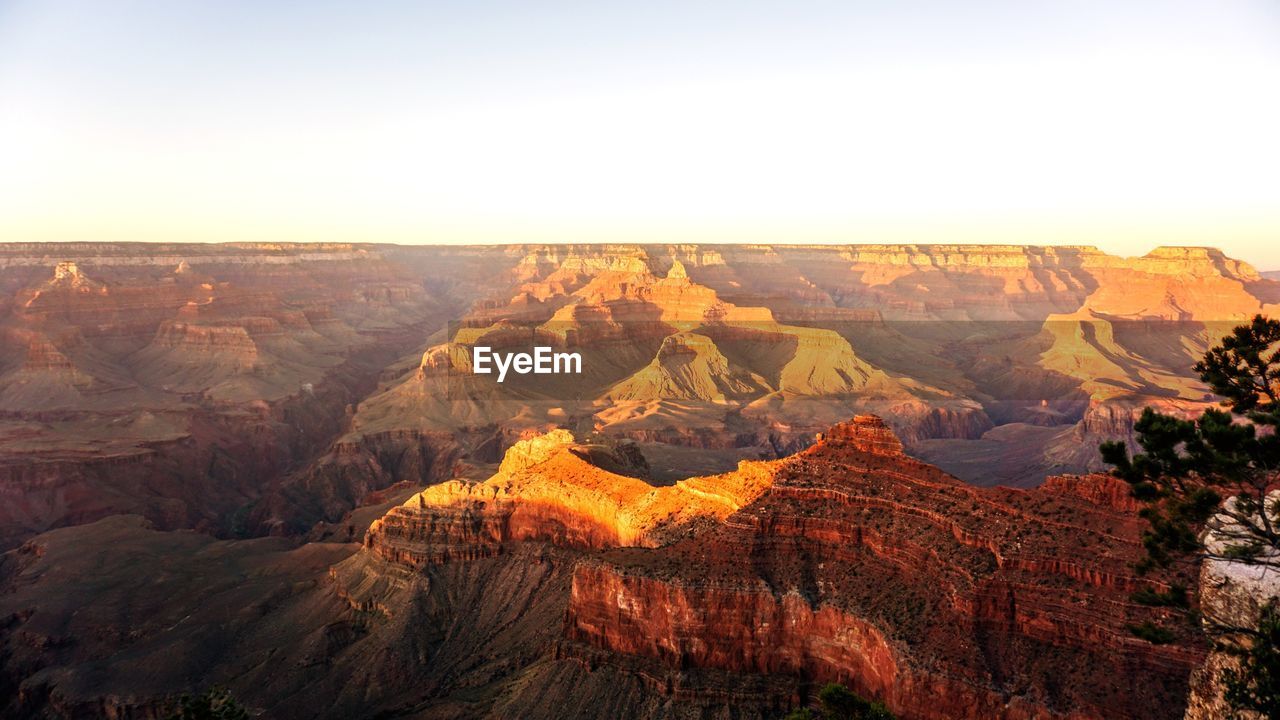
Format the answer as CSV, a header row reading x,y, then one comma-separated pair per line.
x,y
250,389
689,525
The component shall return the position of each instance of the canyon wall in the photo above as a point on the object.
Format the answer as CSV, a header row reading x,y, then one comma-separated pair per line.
x,y
185,382
1004,364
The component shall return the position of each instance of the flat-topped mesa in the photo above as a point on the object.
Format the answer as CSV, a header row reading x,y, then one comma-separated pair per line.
x,y
867,433
229,336
1183,260
970,256
123,255
1163,259
541,261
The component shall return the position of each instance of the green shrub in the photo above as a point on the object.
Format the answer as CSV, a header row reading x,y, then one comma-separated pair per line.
x,y
214,704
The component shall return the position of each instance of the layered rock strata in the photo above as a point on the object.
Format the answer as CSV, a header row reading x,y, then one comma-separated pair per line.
x,y
846,562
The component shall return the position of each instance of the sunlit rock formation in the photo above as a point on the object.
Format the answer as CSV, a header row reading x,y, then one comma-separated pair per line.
x,y
551,489
846,562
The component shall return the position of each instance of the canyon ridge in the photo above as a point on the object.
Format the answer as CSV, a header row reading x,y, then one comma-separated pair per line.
x,y
271,468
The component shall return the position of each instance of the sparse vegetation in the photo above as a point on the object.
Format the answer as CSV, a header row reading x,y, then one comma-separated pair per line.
x,y
1255,683
1175,597
214,704
1152,633
837,702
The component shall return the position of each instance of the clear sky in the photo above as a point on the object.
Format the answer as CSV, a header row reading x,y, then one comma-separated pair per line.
x,y
1124,124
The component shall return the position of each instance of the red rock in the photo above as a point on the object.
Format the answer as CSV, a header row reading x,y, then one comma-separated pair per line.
x,y
1104,490
866,433
854,563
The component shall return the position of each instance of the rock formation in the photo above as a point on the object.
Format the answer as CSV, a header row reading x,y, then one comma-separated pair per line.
x,y
128,387
551,489
558,589
979,357
846,562
685,529
545,548
1231,594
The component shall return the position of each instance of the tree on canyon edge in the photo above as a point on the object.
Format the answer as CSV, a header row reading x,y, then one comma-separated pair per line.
x,y
837,702
1184,472
214,704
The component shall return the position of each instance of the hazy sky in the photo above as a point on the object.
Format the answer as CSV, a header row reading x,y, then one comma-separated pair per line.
x,y
1120,124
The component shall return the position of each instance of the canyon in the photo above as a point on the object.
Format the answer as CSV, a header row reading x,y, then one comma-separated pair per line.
x,y
560,587
780,465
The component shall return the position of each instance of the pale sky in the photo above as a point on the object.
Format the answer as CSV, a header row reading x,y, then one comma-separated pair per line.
x,y
1119,124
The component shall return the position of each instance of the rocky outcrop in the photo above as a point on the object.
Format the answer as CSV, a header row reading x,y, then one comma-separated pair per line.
x,y
846,562
552,489
534,451
688,366
951,587
1099,488
1232,594
864,433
